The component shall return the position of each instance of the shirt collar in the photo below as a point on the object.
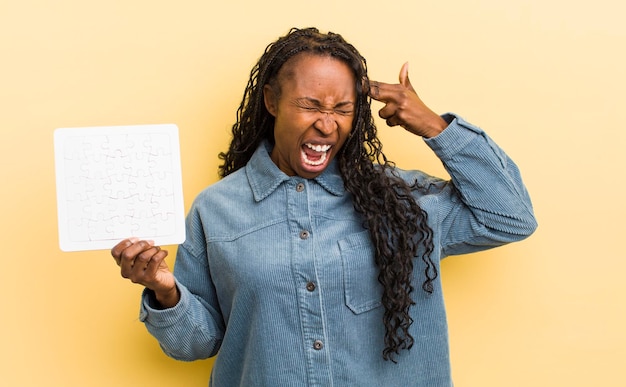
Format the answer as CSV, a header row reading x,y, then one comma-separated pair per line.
x,y
264,176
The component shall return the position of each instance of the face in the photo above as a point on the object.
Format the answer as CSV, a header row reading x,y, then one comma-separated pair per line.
x,y
313,113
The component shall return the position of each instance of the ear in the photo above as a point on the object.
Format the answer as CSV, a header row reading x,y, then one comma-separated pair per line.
x,y
269,97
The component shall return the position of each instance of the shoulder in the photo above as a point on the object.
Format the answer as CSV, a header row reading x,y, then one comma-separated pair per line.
x,y
222,196
234,184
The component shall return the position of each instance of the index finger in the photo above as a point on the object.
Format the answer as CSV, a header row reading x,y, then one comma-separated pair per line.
x,y
117,250
383,92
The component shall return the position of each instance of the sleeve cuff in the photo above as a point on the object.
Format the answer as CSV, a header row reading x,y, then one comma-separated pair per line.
x,y
455,137
152,315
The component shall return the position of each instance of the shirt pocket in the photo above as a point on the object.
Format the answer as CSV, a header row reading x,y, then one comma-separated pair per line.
x,y
362,290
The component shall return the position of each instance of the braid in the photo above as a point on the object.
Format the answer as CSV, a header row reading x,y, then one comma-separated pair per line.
x,y
397,225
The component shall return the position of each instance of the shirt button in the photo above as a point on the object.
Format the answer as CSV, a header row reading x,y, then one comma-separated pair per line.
x,y
300,187
304,234
310,286
317,345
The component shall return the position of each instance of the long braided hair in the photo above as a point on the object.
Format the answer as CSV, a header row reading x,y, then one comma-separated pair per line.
x,y
397,225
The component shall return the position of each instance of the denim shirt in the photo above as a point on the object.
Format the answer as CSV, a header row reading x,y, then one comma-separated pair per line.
x,y
278,275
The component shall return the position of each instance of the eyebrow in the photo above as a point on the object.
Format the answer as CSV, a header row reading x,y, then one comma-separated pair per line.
x,y
319,103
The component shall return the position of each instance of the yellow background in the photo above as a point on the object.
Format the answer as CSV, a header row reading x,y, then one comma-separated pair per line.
x,y
545,78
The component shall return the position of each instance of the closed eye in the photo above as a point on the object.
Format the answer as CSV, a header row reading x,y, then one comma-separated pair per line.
x,y
344,112
311,105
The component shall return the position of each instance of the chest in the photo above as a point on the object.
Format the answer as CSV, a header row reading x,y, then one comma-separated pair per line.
x,y
299,235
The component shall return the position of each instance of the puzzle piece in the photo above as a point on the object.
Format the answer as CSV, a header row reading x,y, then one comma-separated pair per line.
x,y
162,206
121,227
117,145
166,227
92,147
119,186
160,144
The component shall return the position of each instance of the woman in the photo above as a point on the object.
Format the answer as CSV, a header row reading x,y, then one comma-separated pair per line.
x,y
315,261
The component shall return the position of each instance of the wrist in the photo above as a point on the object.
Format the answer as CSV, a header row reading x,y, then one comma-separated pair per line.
x,y
167,298
435,128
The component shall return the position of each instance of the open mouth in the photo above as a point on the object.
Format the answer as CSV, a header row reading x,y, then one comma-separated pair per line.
x,y
315,155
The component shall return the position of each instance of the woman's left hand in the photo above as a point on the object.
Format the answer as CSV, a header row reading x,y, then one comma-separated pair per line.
x,y
404,107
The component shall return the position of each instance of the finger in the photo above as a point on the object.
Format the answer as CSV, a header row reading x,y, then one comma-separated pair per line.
x,y
393,121
155,263
404,77
146,266
383,92
373,89
117,250
143,259
130,254
387,111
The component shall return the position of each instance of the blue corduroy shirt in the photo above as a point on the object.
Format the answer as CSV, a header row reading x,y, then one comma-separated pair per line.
x,y
277,273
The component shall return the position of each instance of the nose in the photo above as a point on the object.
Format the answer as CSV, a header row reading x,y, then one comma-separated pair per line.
x,y
326,123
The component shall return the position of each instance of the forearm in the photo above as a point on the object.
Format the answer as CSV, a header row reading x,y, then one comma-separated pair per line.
x,y
189,330
487,180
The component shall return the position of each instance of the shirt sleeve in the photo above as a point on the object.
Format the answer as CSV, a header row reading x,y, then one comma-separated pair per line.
x,y
485,204
194,328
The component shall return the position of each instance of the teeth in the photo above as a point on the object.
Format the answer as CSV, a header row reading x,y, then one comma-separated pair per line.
x,y
318,148
323,149
321,160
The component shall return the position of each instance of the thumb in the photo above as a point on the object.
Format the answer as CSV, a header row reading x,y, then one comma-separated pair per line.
x,y
404,77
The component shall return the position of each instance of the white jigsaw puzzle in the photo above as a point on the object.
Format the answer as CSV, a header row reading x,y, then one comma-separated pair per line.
x,y
116,182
